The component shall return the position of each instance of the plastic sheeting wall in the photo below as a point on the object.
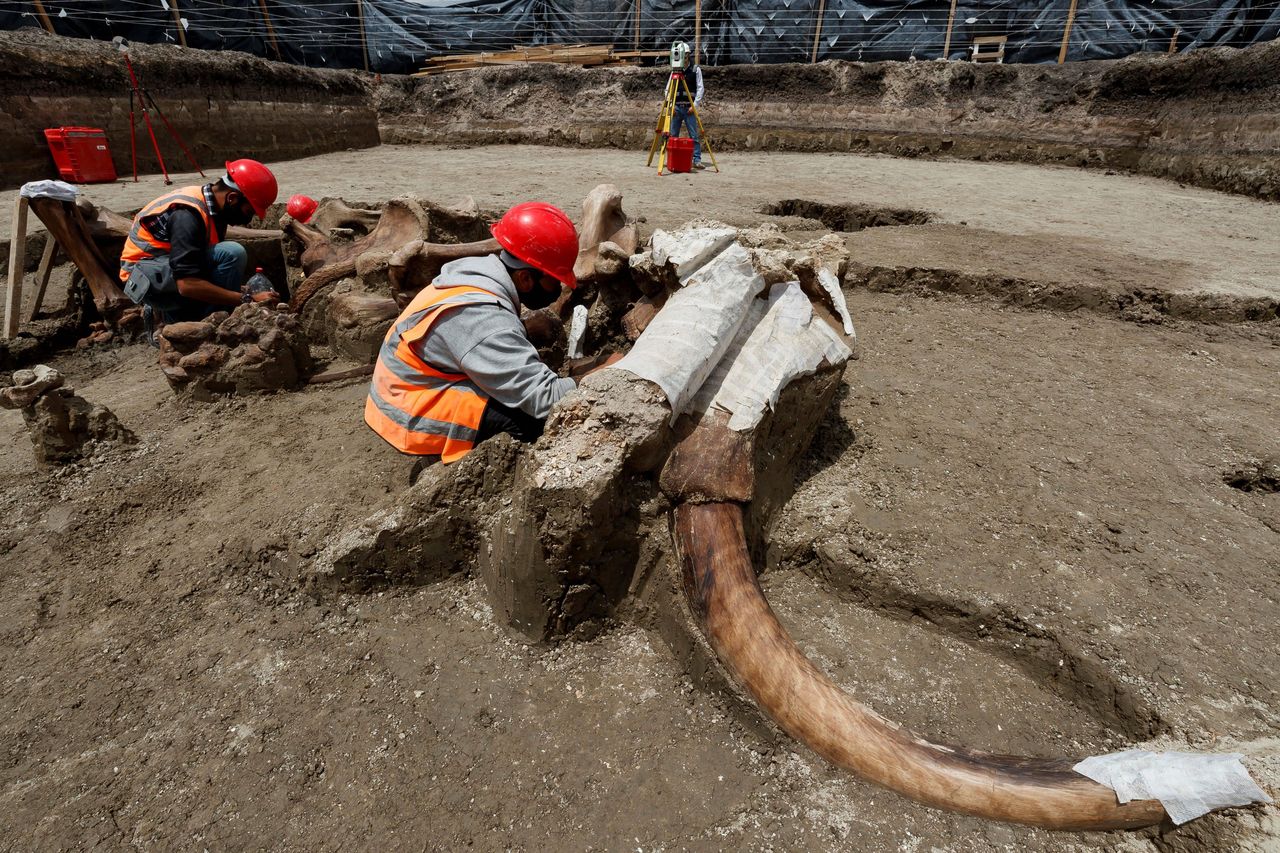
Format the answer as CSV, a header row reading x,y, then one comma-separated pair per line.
x,y
400,35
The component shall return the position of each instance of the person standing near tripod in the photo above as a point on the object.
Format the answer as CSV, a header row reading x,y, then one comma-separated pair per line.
x,y
177,263
684,114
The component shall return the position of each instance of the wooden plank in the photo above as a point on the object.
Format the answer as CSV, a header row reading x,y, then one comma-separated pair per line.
x,y
1066,33
17,255
817,30
637,42
951,19
44,16
364,44
697,32
271,32
177,22
1173,42
42,277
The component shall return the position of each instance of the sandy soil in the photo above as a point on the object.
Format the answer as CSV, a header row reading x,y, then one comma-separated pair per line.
x,y
1015,532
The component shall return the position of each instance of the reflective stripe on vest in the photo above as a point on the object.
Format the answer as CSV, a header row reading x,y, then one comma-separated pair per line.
x,y
414,407
141,243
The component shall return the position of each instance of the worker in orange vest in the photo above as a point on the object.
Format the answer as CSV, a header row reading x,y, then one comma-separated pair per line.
x,y
177,263
457,366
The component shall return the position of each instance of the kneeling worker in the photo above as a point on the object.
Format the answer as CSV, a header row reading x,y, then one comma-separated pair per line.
x,y
457,366
177,263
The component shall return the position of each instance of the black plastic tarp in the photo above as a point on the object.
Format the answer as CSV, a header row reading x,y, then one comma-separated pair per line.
x,y
400,35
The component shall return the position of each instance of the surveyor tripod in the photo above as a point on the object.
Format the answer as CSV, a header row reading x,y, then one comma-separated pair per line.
x,y
141,98
662,133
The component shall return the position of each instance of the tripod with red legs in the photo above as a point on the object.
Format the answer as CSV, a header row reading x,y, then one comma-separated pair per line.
x,y
140,100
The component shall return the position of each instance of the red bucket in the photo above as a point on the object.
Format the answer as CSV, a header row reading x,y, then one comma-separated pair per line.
x,y
680,154
81,154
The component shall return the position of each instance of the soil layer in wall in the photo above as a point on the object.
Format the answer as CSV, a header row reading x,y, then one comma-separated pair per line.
x,y
1210,117
223,104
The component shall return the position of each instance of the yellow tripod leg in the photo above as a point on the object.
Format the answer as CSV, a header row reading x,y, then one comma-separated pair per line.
x,y
702,133
664,126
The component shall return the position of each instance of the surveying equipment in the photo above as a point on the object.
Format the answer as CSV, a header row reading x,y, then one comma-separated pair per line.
x,y
676,84
143,98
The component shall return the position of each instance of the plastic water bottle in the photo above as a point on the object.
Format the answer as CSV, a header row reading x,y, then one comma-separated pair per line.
x,y
258,283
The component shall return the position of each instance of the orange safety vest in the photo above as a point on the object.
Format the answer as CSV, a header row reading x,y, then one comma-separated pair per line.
x,y
414,407
141,243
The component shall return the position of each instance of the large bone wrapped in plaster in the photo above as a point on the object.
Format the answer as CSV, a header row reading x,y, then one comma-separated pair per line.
x,y
779,341
696,327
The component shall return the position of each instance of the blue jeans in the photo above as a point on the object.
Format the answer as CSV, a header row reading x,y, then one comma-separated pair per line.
x,y
684,115
226,263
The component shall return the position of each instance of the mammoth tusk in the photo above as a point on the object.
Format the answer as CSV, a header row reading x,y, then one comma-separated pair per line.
x,y
721,586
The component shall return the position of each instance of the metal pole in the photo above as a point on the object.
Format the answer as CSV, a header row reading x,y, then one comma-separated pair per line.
x,y
817,30
637,46
1066,34
946,44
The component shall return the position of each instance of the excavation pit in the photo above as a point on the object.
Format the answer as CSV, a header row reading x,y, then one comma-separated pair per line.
x,y
847,218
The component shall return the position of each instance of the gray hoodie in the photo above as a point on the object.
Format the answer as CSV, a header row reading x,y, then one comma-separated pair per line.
x,y
488,342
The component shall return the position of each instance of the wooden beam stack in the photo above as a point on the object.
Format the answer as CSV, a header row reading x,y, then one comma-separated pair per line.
x,y
582,55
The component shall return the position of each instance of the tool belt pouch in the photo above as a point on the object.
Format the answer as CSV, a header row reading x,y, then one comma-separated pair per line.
x,y
151,282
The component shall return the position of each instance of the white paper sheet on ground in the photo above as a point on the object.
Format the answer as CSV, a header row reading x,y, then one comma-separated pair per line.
x,y
831,285
688,249
777,343
577,329
1187,784
691,333
60,190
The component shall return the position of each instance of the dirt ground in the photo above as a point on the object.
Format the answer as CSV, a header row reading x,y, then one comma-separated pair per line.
x,y
1017,531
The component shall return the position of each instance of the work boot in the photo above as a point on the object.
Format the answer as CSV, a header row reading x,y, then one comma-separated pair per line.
x,y
698,167
149,325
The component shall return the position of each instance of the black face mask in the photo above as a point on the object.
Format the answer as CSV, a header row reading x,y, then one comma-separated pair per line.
x,y
538,297
233,214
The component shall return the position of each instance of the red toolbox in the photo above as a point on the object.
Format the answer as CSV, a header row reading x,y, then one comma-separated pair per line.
x,y
82,154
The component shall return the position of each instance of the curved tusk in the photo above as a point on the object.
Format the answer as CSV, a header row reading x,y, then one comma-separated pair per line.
x,y
721,585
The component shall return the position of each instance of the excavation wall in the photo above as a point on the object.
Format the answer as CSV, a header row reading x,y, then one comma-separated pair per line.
x,y
1210,117
223,105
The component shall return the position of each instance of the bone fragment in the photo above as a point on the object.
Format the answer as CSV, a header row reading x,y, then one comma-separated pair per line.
x,y
577,330
62,425
29,385
683,344
604,224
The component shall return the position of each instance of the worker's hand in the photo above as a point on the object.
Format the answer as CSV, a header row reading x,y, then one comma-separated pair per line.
x,y
266,296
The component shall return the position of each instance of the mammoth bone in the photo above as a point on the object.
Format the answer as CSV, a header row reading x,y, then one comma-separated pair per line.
x,y
703,420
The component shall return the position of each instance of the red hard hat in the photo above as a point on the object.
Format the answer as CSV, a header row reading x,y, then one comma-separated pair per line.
x,y
255,182
301,207
541,235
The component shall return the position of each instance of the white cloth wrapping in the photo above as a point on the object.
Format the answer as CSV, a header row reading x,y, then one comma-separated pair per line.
x,y
779,342
692,332
831,285
60,190
687,250
1187,784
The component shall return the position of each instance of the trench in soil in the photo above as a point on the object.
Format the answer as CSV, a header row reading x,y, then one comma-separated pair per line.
x,y
847,217
1074,675
1260,477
